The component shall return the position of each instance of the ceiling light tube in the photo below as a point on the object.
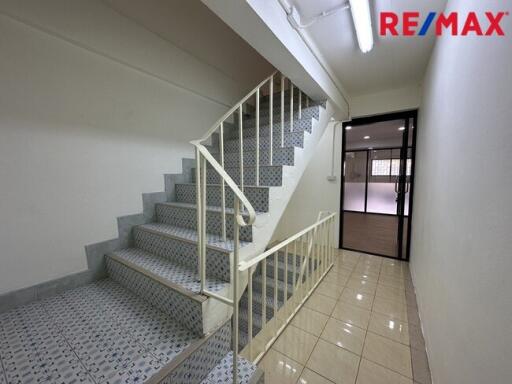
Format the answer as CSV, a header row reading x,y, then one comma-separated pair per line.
x,y
360,10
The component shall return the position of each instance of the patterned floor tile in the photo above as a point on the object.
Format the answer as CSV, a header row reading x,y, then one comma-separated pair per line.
x,y
172,272
223,372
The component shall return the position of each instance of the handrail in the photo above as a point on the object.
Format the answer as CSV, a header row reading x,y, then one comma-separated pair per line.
x,y
232,110
241,204
231,184
245,265
317,241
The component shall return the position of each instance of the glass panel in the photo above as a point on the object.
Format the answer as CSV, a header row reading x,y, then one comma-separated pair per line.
x,y
381,185
355,178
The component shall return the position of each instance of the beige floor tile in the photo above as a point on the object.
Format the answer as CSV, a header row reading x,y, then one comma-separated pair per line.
x,y
394,273
334,363
336,278
296,344
344,335
330,290
351,314
310,321
342,269
392,282
362,285
391,293
371,373
388,353
389,327
310,377
362,276
357,298
280,369
392,308
369,269
320,303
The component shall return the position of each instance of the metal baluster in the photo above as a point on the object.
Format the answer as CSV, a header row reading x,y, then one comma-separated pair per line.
x,y
222,184
291,106
258,137
203,219
271,116
286,274
295,283
275,284
234,279
241,140
300,104
282,110
199,215
249,306
264,290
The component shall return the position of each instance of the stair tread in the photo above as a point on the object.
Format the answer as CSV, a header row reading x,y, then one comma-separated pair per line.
x,y
218,185
211,208
187,234
137,334
174,273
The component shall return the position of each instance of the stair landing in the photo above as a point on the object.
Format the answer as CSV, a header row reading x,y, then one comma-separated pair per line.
x,y
99,333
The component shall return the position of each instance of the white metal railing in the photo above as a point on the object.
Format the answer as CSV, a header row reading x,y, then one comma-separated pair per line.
x,y
206,162
311,255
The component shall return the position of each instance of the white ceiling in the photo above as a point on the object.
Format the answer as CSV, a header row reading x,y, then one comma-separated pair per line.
x,y
384,134
394,62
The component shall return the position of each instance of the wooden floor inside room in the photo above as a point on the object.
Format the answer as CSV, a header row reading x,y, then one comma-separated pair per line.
x,y
370,233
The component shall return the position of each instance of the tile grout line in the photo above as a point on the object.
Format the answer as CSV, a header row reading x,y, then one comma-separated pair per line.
x,y
305,365
366,331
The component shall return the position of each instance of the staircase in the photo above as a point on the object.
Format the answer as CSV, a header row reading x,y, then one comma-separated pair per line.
x,y
158,318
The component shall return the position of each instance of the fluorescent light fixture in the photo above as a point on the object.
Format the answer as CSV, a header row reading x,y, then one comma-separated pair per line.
x,y
348,127
401,129
360,10
366,137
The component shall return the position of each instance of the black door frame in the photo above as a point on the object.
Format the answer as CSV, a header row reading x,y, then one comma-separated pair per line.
x,y
407,116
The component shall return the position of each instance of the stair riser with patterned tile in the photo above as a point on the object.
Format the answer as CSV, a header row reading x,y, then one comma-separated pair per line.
x,y
306,114
250,131
271,176
280,156
258,196
159,295
182,252
197,366
291,139
186,217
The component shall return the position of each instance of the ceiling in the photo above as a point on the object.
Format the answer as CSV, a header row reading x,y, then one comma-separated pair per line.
x,y
394,62
383,134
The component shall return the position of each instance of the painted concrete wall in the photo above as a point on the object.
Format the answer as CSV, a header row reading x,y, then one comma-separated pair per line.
x,y
461,246
94,108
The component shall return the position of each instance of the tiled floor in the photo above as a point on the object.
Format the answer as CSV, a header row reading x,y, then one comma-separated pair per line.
x,y
360,326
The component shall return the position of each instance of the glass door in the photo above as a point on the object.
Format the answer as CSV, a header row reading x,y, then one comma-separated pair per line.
x,y
377,186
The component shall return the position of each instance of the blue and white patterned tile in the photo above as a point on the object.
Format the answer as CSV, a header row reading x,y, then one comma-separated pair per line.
x,y
196,367
223,372
271,176
185,310
183,276
280,156
185,216
258,196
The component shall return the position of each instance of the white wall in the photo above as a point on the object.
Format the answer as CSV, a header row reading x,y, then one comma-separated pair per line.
x,y
94,109
392,100
314,193
461,246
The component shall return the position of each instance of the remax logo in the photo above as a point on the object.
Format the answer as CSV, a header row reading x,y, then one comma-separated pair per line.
x,y
486,24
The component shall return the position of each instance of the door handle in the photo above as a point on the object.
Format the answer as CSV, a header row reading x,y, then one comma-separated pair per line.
x,y
396,184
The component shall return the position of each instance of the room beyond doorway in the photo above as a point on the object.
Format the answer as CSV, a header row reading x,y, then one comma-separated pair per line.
x,y
378,165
